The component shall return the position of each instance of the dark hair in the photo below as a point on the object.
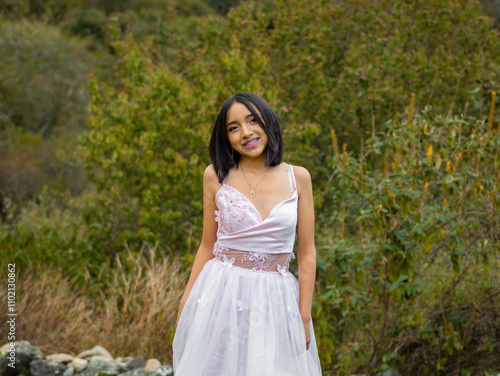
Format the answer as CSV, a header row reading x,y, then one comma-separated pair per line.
x,y
220,148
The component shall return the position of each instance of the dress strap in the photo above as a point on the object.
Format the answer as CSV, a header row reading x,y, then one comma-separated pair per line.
x,y
291,179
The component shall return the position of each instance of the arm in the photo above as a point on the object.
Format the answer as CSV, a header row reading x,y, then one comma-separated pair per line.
x,y
204,253
306,249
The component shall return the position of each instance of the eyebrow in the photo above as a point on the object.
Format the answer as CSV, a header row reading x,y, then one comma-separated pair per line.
x,y
234,122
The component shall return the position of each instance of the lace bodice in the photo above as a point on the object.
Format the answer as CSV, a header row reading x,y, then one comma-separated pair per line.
x,y
241,227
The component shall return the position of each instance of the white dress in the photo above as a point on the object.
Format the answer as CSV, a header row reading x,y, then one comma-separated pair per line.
x,y
242,316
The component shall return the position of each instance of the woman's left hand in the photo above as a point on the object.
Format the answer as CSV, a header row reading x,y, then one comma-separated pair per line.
x,y
306,321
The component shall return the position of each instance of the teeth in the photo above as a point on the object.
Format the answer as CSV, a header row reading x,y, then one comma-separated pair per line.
x,y
251,142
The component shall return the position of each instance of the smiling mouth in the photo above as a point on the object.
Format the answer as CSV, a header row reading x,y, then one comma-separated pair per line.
x,y
251,143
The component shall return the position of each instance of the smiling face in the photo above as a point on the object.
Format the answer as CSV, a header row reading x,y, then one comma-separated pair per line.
x,y
245,134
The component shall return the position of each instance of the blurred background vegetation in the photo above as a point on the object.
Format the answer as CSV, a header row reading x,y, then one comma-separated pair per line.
x,y
106,109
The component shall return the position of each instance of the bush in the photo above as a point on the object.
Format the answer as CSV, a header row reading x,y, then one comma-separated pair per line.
x,y
42,67
89,22
61,231
409,246
28,163
350,64
143,148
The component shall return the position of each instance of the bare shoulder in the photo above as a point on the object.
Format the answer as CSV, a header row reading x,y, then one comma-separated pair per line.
x,y
304,183
302,175
210,180
210,172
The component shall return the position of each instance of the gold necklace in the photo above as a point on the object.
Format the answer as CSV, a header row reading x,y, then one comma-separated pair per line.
x,y
252,192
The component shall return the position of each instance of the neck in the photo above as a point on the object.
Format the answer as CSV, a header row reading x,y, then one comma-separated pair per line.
x,y
253,164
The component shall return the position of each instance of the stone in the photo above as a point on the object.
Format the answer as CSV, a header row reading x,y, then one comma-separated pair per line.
x,y
152,364
24,354
42,367
103,358
135,372
137,362
163,370
96,350
70,371
30,361
101,368
79,364
6,347
60,358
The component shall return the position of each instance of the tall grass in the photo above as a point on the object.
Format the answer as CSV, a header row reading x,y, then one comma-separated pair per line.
x,y
135,315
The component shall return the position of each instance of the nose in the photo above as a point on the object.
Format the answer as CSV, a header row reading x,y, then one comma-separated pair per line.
x,y
246,130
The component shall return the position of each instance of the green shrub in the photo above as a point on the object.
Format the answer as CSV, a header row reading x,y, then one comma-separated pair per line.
x,y
44,77
147,144
143,147
409,246
349,64
62,231
28,162
89,22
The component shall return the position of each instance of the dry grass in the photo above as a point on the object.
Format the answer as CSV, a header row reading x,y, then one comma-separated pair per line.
x,y
134,316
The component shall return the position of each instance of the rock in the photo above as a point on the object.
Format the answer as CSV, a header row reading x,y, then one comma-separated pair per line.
x,y
79,364
100,367
30,361
127,359
22,355
135,372
389,372
103,358
70,371
137,362
6,347
96,350
42,367
163,370
60,358
152,364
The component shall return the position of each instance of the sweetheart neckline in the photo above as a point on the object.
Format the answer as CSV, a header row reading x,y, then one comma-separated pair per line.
x,y
251,203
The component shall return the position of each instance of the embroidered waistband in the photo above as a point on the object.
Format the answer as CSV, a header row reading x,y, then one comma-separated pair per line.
x,y
255,261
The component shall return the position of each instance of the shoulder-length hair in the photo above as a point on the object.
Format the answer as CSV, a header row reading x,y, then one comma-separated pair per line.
x,y
220,148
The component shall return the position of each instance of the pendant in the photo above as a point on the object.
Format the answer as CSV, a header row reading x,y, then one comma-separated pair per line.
x,y
252,193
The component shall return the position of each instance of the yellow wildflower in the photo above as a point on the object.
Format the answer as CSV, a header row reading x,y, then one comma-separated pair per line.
x,y
334,141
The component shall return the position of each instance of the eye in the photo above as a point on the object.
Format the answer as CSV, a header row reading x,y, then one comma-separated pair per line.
x,y
232,128
252,120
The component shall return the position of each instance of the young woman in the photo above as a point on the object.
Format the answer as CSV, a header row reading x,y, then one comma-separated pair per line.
x,y
243,313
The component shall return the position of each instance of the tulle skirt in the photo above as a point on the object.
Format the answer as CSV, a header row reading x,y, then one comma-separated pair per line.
x,y
239,322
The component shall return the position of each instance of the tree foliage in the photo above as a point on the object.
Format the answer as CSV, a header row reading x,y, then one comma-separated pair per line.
x,y
348,64
143,146
405,224
43,78
148,140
